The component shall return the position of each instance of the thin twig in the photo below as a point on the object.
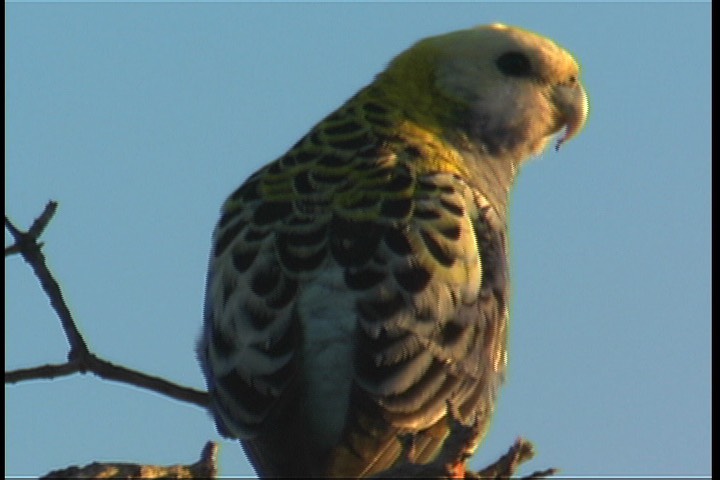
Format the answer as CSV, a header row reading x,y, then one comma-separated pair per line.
x,y
31,251
80,359
43,372
109,371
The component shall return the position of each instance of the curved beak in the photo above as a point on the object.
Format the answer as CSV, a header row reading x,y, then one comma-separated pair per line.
x,y
572,103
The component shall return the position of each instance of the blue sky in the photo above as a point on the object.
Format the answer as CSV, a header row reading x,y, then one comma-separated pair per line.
x,y
139,119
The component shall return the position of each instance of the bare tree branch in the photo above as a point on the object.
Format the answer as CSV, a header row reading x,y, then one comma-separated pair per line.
x,y
80,359
206,467
43,372
109,371
521,451
30,249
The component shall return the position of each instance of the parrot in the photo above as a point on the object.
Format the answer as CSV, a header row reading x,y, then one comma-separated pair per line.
x,y
358,287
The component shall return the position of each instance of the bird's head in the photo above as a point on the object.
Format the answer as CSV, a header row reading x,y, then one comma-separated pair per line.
x,y
504,89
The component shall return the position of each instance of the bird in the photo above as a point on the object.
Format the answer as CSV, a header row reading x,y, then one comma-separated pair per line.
x,y
358,286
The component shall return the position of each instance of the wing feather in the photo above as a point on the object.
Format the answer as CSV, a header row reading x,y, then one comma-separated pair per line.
x,y
403,274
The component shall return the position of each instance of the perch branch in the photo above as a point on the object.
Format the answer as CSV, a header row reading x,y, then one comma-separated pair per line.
x,y
206,468
451,461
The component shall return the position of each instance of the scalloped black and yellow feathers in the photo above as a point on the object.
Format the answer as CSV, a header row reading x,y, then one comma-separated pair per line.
x,y
359,283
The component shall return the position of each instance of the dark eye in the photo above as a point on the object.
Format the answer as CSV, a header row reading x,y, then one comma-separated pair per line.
x,y
514,64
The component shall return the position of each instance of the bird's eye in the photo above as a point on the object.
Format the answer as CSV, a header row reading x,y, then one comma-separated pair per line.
x,y
514,64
